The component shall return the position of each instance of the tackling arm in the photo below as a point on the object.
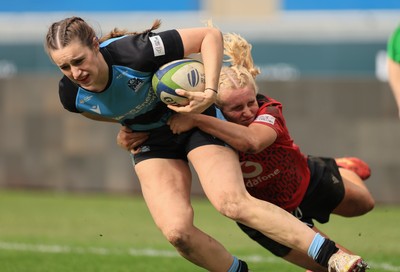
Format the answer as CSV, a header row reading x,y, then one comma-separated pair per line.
x,y
251,139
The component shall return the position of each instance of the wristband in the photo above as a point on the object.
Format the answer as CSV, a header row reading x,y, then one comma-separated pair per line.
x,y
215,91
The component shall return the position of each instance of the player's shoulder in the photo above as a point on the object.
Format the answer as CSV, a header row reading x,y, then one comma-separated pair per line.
x,y
66,84
140,41
144,51
393,44
68,91
396,32
265,101
269,106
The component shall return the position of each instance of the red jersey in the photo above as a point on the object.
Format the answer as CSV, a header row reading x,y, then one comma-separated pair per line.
x,y
279,174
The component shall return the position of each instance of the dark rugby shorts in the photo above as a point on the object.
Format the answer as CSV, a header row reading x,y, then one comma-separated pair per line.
x,y
162,143
325,192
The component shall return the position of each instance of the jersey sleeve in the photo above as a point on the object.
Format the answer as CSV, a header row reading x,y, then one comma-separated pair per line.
x,y
147,51
393,46
270,114
68,92
173,47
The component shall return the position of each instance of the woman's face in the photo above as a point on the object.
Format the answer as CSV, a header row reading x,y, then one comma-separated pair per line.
x,y
80,64
239,105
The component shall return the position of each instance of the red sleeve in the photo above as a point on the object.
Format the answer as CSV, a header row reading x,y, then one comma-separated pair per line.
x,y
270,114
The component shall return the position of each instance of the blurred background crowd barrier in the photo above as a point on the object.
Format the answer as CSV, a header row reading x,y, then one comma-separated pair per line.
x,y
324,61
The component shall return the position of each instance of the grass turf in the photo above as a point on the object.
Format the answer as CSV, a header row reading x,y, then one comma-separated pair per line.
x,y
48,231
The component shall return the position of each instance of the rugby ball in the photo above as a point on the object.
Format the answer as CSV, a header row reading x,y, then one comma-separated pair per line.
x,y
187,74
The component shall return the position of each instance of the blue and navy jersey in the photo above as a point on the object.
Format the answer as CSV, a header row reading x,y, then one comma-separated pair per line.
x,y
128,97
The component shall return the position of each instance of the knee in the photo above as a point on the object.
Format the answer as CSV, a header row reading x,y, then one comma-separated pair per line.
x,y
232,207
180,239
369,204
366,204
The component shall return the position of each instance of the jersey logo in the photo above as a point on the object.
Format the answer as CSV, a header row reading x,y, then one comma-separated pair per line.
x,y
335,180
144,148
85,99
158,46
253,173
135,83
96,109
251,169
266,118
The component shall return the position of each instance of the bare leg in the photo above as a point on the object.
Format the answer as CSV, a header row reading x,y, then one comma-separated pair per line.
x,y
357,200
305,261
166,190
221,177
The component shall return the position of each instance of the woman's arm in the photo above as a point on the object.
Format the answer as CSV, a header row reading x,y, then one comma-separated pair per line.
x,y
130,140
209,42
394,80
251,139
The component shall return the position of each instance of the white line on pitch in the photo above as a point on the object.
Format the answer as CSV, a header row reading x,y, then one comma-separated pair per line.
x,y
148,252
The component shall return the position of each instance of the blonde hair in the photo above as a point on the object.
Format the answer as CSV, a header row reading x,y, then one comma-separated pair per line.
x,y
241,72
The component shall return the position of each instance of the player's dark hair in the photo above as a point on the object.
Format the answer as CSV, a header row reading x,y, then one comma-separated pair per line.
x,y
120,32
61,33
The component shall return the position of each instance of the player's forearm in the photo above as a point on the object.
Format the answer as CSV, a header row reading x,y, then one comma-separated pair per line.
x,y
395,86
394,80
237,136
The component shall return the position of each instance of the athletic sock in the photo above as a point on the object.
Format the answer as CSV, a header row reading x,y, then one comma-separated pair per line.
x,y
328,248
243,266
321,249
238,266
315,246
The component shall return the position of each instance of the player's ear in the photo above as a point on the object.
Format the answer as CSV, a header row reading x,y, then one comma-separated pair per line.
x,y
96,44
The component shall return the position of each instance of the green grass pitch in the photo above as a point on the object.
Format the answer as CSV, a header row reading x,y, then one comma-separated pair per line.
x,y
47,231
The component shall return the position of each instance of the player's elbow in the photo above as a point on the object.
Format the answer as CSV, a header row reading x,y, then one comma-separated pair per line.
x,y
215,32
250,146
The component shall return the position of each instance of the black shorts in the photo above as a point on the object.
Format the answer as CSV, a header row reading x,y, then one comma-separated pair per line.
x,y
324,193
162,143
